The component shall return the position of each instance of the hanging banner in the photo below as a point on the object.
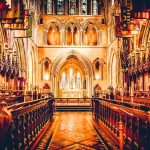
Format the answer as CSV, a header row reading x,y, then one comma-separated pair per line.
x,y
118,26
19,26
125,16
15,14
4,5
25,33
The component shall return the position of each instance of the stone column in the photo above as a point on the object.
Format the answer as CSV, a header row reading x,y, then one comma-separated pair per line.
x,y
99,38
91,41
81,37
62,38
45,37
72,31
65,36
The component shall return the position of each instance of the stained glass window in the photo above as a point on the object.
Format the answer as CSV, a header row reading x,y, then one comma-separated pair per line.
x,y
95,7
84,7
72,7
71,78
63,80
60,7
78,80
49,7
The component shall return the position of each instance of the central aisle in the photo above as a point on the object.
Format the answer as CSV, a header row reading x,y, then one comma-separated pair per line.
x,y
74,131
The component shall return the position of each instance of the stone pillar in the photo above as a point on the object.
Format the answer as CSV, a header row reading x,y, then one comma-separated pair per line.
x,y
65,32
81,37
91,41
62,38
72,31
45,37
99,38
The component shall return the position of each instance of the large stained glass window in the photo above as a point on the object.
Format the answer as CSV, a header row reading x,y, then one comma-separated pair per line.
x,y
84,7
60,7
63,80
49,7
72,7
78,80
95,7
71,78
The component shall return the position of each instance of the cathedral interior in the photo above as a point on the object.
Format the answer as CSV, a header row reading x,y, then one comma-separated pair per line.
x,y
75,74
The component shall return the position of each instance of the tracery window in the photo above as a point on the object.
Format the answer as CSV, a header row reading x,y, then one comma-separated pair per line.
x,y
60,7
98,69
84,7
71,78
90,35
49,7
78,81
72,7
63,80
95,7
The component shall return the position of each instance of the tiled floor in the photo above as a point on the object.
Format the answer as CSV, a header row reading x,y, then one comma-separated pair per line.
x,y
74,131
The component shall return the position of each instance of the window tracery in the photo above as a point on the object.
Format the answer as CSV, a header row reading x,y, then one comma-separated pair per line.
x,y
49,7
60,7
72,7
95,7
84,7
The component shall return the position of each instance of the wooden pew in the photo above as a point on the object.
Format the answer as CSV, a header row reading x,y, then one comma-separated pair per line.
x,y
21,124
130,124
140,100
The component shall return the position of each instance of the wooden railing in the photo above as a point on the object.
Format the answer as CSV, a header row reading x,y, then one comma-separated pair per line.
x,y
140,100
72,101
21,123
130,125
12,97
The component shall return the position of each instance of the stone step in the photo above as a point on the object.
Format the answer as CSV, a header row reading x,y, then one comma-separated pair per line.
x,y
73,108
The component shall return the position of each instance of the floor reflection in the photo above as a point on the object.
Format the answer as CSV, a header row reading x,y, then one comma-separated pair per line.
x,y
74,131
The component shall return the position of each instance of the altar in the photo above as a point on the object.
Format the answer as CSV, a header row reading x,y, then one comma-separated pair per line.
x,y
71,93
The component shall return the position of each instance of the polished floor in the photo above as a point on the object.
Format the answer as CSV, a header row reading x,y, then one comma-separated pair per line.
x,y
74,131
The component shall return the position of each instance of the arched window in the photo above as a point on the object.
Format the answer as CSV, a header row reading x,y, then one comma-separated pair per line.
x,y
98,67
78,80
72,35
71,77
53,36
84,7
63,80
95,7
60,7
49,7
46,71
72,7
90,35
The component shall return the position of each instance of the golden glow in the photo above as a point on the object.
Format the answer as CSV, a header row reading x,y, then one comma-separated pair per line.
x,y
46,77
97,76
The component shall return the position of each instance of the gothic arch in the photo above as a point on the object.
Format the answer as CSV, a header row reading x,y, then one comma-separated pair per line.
x,y
45,59
45,67
22,55
53,22
90,21
62,58
73,22
114,56
98,65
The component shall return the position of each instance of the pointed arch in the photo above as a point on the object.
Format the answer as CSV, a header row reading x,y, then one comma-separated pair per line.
x,y
62,58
